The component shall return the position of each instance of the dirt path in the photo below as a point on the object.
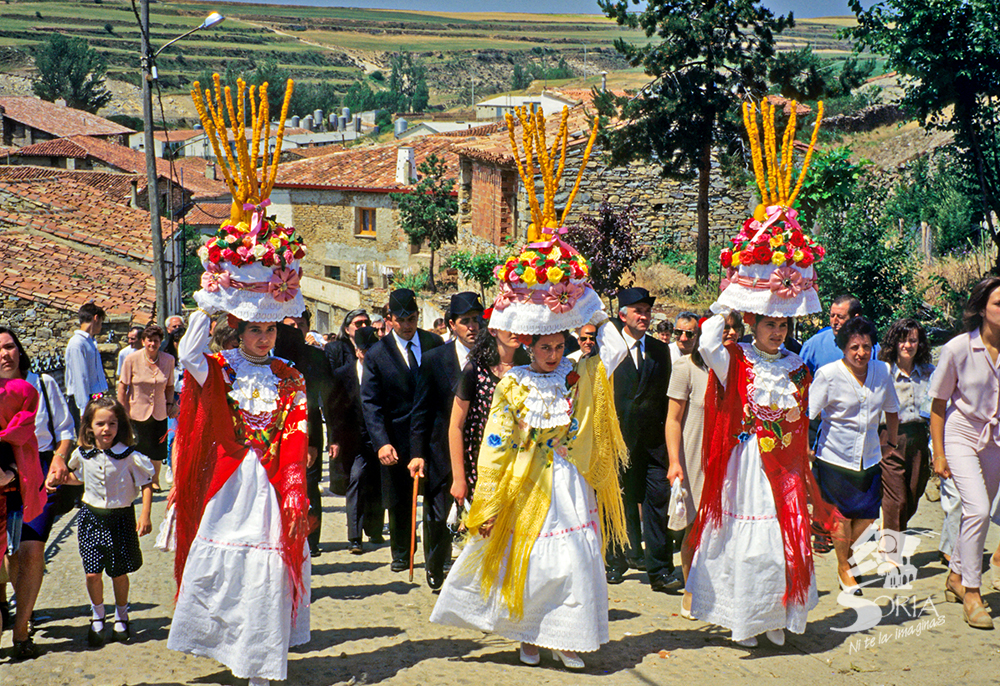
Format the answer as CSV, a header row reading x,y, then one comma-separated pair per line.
x,y
370,626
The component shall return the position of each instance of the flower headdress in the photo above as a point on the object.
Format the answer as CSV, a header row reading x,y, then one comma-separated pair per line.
x,y
252,262
545,289
769,268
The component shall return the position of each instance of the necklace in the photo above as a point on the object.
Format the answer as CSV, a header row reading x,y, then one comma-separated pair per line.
x,y
767,357
254,359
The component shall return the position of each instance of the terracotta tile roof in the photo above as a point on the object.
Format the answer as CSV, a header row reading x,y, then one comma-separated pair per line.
x,y
177,135
118,186
314,151
211,214
68,209
368,167
496,147
129,161
582,95
57,120
483,130
39,269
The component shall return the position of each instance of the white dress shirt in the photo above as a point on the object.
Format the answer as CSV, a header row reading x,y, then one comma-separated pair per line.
x,y
461,352
62,422
84,374
634,346
851,413
109,482
122,354
401,344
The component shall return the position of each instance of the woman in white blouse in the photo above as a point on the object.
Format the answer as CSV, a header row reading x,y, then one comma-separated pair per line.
x,y
850,396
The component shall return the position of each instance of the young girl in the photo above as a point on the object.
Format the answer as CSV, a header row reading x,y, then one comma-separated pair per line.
x,y
112,474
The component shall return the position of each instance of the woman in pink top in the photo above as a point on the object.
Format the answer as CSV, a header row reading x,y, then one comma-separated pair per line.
x,y
146,389
966,439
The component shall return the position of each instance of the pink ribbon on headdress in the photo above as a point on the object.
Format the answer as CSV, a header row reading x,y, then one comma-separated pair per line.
x,y
730,278
215,279
284,284
563,296
563,245
257,219
774,214
785,282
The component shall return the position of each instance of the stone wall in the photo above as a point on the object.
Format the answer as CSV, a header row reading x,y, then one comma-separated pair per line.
x,y
45,330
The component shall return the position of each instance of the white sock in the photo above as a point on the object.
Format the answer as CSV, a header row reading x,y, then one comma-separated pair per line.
x,y
97,616
121,616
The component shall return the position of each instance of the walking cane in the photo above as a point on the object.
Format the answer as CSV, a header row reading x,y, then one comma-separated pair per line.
x,y
413,522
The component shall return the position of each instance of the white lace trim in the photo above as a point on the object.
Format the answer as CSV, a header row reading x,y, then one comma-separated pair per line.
x,y
547,405
773,387
255,388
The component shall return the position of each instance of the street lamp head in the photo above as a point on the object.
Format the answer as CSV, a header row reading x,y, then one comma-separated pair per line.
x,y
211,20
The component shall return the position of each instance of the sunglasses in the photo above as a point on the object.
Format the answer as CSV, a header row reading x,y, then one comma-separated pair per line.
x,y
587,338
685,334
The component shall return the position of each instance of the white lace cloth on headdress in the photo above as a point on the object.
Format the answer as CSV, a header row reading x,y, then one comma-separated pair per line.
x,y
547,405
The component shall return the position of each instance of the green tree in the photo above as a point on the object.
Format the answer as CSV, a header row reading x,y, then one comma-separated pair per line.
x,y
804,75
950,52
427,213
830,181
521,78
70,69
476,267
709,55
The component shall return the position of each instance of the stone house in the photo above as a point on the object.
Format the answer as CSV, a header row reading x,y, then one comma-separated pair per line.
x,y
345,206
26,120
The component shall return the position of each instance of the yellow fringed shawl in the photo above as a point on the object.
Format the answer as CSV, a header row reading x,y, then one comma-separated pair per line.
x,y
515,476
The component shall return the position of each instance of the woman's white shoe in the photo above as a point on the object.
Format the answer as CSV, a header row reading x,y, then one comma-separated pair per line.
x,y
748,642
569,660
776,636
530,660
257,681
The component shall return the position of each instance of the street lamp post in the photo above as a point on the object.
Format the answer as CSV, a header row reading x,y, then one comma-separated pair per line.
x,y
152,187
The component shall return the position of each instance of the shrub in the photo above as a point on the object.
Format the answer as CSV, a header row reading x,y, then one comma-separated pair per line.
x,y
476,267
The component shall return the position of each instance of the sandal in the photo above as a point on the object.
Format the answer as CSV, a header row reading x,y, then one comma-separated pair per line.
x,y
25,650
979,618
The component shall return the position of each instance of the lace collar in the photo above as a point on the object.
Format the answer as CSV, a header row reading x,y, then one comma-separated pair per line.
x,y
126,450
547,404
254,386
772,384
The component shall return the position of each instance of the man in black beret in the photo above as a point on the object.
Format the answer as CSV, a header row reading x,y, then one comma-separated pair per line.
x,y
641,400
429,448
388,384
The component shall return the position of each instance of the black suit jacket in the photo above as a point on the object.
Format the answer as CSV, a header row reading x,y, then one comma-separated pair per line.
x,y
387,392
436,383
347,426
338,353
641,401
312,364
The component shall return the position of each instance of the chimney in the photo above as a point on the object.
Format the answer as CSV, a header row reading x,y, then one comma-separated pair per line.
x,y
134,200
210,172
604,82
406,166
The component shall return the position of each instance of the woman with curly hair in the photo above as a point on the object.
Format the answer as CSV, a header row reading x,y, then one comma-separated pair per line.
x,y
905,473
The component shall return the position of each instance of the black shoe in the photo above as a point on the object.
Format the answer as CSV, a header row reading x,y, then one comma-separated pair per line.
x,y
639,564
25,650
355,547
615,577
95,638
5,622
122,636
435,581
313,552
666,584
377,539
399,565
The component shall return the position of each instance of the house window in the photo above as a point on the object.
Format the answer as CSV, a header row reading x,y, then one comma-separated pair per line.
x,y
365,222
332,272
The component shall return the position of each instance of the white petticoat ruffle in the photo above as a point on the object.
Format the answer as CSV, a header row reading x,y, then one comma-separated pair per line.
x,y
773,387
248,305
763,301
537,319
547,404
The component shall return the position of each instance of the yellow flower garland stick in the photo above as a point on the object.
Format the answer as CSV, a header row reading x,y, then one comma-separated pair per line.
x,y
579,176
750,123
289,87
809,152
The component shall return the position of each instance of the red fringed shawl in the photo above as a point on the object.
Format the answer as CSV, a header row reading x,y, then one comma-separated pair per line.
x,y
731,416
211,448
18,405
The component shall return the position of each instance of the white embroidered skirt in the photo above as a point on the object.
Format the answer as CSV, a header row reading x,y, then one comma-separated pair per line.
x,y
566,592
235,601
737,576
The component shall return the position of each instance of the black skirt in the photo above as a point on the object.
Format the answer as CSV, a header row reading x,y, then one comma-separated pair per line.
x,y
108,540
151,438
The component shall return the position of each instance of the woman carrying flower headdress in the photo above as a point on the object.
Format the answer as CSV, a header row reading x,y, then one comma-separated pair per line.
x,y
241,565
547,498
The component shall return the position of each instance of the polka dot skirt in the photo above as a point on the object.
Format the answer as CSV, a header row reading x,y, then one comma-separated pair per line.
x,y
109,541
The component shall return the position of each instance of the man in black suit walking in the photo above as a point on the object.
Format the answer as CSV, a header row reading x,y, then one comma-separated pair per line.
x,y
435,395
350,442
388,384
641,399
